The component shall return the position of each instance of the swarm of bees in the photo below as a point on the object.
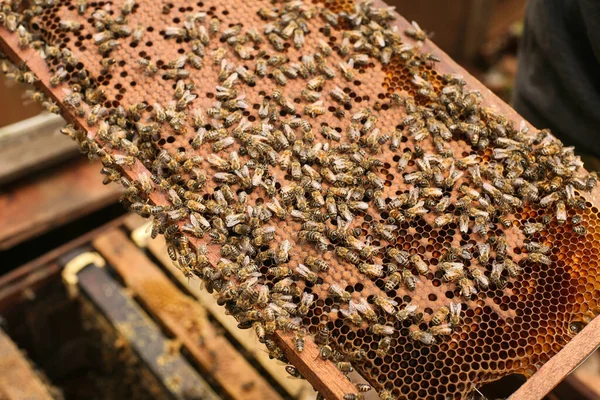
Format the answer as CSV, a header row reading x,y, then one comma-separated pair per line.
x,y
322,178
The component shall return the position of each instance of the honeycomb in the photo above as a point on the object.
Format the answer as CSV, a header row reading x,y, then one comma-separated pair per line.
x,y
414,234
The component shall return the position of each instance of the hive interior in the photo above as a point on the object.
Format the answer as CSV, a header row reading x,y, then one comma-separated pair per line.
x,y
510,327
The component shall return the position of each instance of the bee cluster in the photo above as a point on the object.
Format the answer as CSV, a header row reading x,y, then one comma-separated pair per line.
x,y
312,167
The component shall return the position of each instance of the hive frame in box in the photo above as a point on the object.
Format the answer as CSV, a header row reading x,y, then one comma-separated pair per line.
x,y
326,378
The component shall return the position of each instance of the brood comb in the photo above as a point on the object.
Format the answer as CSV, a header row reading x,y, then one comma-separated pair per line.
x,y
331,183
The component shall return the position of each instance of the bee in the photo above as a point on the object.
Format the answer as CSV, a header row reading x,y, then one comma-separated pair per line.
x,y
512,268
316,83
316,263
330,134
409,311
338,95
440,315
242,51
538,258
59,76
347,255
424,337
531,228
455,318
306,302
561,213
306,273
298,38
299,342
218,55
352,314
393,281
344,367
322,335
108,46
443,220
467,288
69,26
310,95
325,352
441,330
346,69
480,278
381,330
386,304
409,280
400,256
336,291
315,109
279,272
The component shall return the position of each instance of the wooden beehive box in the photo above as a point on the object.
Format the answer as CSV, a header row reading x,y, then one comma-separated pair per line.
x,y
395,137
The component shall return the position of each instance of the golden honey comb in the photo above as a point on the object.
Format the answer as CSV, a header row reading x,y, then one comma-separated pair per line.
x,y
507,330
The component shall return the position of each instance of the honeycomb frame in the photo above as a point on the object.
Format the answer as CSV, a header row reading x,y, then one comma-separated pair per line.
x,y
411,369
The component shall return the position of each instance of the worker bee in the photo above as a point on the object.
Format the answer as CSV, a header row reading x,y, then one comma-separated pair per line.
x,y
455,318
352,314
400,256
480,278
306,302
316,263
299,342
315,109
561,213
386,304
347,255
336,291
440,315
538,258
441,330
69,26
276,41
381,330
409,280
331,134
322,335
467,288
580,230
424,337
306,273
344,367
443,220
531,228
393,281
346,69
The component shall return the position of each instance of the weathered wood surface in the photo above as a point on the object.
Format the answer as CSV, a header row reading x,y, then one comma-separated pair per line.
x,y
33,145
184,317
18,380
156,351
52,199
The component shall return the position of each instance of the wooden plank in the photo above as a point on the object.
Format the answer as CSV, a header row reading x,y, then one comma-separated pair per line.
x,y
11,103
562,364
185,317
53,199
18,380
298,389
156,352
32,145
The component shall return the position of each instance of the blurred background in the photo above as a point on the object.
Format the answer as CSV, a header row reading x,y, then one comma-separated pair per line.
x,y
53,203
